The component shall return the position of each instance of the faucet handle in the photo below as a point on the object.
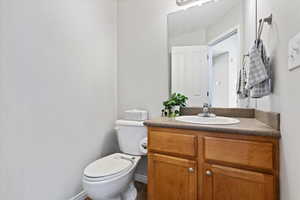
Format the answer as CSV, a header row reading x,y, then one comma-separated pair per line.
x,y
206,111
205,108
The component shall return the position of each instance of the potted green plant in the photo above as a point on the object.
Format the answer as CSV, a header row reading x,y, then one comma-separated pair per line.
x,y
173,105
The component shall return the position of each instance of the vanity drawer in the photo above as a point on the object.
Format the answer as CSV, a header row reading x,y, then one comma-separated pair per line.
x,y
251,154
174,143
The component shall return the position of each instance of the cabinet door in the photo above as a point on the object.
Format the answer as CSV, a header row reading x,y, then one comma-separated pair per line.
x,y
223,183
171,178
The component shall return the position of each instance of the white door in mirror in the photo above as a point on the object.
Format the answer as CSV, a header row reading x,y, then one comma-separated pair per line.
x,y
190,73
294,52
208,120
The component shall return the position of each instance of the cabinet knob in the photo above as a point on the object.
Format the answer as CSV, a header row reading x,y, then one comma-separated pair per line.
x,y
208,173
191,169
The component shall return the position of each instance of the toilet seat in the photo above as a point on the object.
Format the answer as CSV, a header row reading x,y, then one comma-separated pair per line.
x,y
108,167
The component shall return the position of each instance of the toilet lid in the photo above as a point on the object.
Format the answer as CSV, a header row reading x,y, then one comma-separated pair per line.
x,y
107,166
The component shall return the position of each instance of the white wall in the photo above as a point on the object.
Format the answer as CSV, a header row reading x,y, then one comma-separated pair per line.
x,y
57,94
143,72
285,98
194,38
231,20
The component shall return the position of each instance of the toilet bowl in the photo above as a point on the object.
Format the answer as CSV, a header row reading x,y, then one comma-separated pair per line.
x,y
102,182
112,177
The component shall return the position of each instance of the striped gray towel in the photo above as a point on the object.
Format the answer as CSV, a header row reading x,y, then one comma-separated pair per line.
x,y
264,88
259,72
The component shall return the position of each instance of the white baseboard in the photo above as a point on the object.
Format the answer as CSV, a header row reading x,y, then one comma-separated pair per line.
x,y
141,178
80,196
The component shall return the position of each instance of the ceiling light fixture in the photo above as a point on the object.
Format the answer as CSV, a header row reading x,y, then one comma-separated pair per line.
x,y
185,2
192,2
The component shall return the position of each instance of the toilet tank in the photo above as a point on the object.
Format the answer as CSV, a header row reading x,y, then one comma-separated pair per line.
x,y
130,134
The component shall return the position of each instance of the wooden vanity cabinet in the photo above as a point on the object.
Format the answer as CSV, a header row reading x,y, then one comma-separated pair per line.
x,y
171,178
224,183
198,165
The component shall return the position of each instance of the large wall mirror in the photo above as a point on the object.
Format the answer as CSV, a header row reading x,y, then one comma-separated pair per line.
x,y
206,44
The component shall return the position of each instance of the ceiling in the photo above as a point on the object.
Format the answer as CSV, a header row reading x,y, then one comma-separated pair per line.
x,y
198,17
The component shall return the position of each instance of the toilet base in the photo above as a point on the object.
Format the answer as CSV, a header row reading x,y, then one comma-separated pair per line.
x,y
117,187
130,193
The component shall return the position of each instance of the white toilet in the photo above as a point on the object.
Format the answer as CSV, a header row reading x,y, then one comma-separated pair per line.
x,y
111,177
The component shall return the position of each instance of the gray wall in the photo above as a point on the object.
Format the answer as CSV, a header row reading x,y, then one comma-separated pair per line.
x,y
57,94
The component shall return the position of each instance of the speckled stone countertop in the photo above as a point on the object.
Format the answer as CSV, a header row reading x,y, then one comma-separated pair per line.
x,y
247,126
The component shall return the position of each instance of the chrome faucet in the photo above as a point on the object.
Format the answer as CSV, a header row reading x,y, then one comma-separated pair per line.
x,y
206,111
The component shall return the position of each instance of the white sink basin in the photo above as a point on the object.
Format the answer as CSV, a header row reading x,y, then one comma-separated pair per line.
x,y
208,120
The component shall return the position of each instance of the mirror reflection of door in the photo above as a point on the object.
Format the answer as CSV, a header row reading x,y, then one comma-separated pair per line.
x,y
190,73
216,29
220,79
223,71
